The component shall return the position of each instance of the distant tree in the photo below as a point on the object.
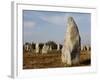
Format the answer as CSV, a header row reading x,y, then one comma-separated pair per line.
x,y
41,45
52,44
27,43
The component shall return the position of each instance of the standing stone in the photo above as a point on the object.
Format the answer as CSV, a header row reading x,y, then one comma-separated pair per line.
x,y
26,47
45,49
37,48
88,47
82,48
72,44
50,48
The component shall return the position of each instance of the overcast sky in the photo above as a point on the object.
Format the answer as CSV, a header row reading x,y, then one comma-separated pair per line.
x,y
43,26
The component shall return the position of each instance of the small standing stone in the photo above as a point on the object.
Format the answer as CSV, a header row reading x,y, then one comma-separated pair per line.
x,y
45,49
37,48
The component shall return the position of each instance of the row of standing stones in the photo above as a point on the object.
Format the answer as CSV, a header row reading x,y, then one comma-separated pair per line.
x,y
48,48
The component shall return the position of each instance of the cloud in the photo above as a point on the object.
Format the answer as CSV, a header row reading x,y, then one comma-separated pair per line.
x,y
29,24
55,19
28,27
27,33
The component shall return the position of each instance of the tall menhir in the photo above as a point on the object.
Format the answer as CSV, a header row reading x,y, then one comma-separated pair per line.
x,y
72,44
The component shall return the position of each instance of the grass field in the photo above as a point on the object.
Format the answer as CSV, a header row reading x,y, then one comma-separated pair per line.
x,y
51,60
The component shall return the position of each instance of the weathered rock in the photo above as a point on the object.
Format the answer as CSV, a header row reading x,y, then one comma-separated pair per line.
x,y
50,48
88,47
27,47
45,49
72,44
37,48
85,48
